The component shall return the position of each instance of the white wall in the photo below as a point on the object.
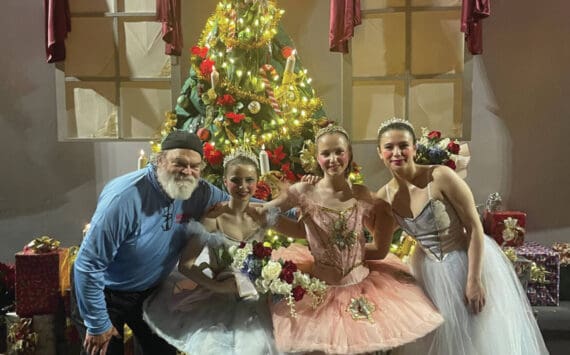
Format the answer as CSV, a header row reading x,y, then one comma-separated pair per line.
x,y
521,119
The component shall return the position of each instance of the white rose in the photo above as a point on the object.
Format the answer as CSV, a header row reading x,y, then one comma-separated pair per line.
x,y
262,286
271,270
301,279
280,287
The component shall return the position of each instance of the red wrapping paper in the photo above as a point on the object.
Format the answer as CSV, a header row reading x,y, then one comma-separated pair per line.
x,y
494,226
37,283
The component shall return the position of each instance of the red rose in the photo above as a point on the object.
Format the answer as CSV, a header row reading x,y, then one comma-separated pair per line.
x,y
286,52
434,135
235,117
260,251
263,191
298,293
204,134
453,147
451,164
242,245
287,276
226,100
289,265
201,52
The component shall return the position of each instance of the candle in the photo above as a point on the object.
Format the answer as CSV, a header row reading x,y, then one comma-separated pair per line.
x,y
263,161
214,77
290,65
142,161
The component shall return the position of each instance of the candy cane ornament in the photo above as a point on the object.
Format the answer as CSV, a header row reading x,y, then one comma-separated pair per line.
x,y
268,90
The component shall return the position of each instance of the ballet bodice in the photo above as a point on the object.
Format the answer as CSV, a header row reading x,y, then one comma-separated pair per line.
x,y
437,228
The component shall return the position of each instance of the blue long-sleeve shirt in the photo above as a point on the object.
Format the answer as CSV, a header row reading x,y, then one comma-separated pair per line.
x,y
134,241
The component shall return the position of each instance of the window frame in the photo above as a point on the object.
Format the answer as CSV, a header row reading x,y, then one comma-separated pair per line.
x,y
118,80
466,76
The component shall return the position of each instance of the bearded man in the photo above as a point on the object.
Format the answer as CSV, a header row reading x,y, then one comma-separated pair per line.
x,y
134,242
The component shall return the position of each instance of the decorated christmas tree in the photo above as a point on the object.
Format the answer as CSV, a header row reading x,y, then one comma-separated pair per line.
x,y
247,88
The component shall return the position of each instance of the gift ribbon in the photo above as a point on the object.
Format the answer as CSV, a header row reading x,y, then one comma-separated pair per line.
x,y
42,244
564,250
538,274
22,337
512,230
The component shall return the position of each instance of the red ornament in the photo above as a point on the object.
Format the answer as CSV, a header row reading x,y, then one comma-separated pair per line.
x,y
204,134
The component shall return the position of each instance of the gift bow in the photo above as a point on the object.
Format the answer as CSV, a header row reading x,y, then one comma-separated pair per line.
x,y
21,335
564,250
43,244
494,202
538,274
512,229
510,254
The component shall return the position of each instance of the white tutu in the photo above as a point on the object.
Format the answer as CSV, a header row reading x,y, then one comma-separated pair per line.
x,y
198,321
506,326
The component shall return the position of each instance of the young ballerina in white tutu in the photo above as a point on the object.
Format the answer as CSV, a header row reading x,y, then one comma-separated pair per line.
x,y
463,271
211,318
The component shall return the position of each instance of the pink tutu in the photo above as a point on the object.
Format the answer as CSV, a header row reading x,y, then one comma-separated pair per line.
x,y
375,307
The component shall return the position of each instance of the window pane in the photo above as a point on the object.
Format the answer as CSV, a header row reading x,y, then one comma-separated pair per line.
x,y
374,102
82,6
436,104
437,43
91,110
143,106
142,54
138,5
436,3
381,4
378,47
95,59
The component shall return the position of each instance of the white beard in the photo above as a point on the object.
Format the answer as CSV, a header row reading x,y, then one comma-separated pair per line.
x,y
177,187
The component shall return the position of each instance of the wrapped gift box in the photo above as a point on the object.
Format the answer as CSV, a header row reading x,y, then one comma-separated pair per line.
x,y
506,227
38,282
543,286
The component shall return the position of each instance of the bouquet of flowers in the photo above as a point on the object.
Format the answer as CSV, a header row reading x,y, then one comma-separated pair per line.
x,y
278,277
433,149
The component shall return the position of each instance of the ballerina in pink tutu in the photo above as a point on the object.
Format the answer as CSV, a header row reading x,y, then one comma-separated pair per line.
x,y
372,303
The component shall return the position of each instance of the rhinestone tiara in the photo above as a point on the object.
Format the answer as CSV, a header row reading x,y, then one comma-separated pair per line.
x,y
395,120
241,153
330,129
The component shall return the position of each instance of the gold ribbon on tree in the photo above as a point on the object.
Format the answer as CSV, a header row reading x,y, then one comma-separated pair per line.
x,y
22,337
43,244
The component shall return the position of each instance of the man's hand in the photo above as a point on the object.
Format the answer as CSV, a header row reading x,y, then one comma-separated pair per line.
x,y
97,344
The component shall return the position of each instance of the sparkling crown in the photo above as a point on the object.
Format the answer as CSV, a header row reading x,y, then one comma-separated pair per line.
x,y
395,120
243,153
330,129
